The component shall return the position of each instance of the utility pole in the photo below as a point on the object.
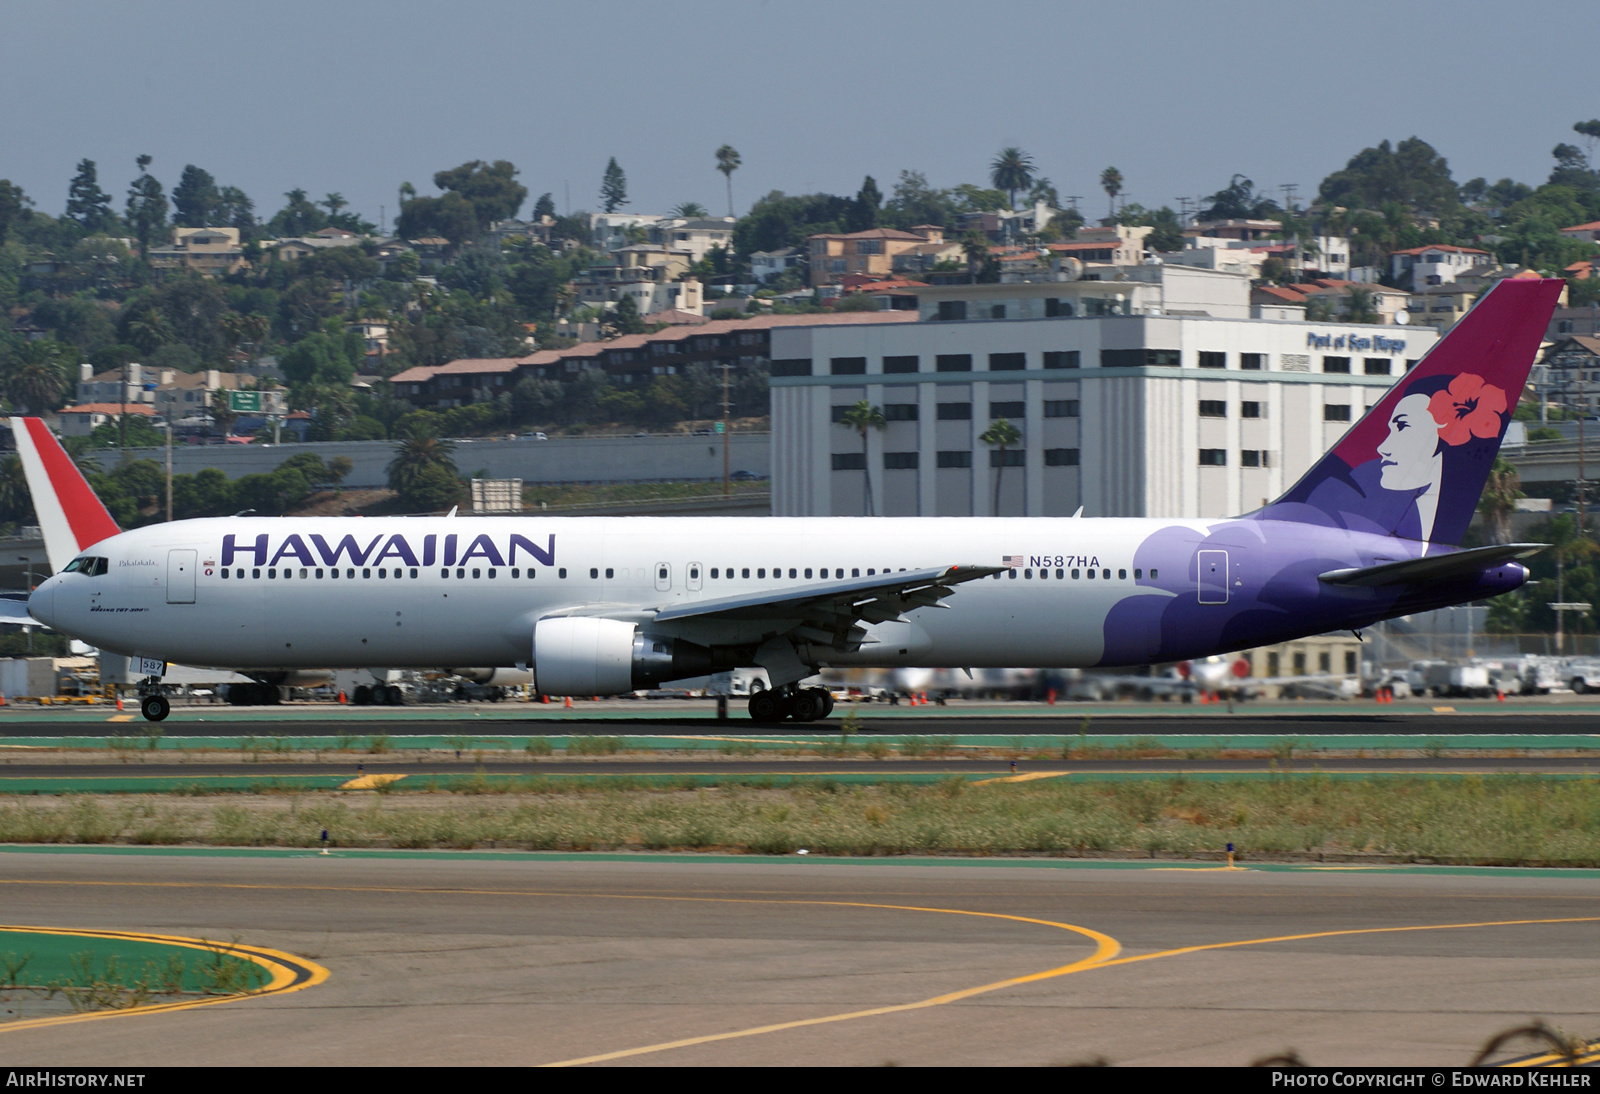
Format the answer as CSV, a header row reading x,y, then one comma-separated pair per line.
x,y
28,585
122,412
1289,189
169,466
727,459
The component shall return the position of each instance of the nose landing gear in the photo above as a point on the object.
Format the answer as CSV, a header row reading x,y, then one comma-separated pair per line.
x,y
152,704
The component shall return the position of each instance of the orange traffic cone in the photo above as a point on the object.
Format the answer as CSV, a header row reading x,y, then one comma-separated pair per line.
x,y
569,702
544,699
341,697
119,702
1502,696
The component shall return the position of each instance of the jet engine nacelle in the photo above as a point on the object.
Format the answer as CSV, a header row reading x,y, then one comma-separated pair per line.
x,y
581,655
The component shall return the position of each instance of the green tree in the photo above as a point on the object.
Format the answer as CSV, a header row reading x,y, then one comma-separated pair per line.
x,y
975,245
299,217
864,210
689,210
861,418
423,472
1111,183
35,376
147,206
1411,173
1001,435
1499,500
1044,190
613,187
1239,201
1362,306
13,204
913,202
624,319
88,206
236,210
727,162
195,198
544,207
490,190
1012,170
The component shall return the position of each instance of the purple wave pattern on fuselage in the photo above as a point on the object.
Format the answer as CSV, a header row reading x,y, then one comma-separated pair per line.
x,y
1269,570
1414,466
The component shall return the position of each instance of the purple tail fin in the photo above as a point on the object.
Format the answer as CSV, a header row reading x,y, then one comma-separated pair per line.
x,y
1415,465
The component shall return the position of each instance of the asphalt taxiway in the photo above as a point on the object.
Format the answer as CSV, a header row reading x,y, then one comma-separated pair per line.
x,y
500,958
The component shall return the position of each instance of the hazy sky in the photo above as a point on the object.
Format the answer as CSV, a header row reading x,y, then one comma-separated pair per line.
x,y
358,96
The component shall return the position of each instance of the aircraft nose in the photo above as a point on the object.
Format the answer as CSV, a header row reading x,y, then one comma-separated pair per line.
x,y
42,603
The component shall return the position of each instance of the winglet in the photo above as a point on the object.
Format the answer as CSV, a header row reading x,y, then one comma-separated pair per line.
x,y
71,517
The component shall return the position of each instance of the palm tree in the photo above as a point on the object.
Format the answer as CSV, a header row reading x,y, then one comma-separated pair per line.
x,y
690,210
36,379
1111,183
728,163
1012,170
862,417
1363,309
1499,501
418,454
1569,543
1001,434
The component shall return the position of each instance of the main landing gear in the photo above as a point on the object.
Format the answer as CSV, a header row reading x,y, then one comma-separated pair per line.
x,y
800,704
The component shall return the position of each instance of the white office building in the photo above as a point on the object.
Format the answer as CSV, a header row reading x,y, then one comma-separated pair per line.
x,y
1133,398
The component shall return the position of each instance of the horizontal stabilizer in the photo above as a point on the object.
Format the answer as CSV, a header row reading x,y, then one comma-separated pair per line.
x,y
14,609
1420,571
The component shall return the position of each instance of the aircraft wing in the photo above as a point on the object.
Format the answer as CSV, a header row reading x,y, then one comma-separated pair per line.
x,y
828,612
14,609
1419,571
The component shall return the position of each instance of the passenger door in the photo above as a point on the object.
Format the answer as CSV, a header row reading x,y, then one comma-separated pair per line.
x,y
1213,575
180,575
663,576
694,578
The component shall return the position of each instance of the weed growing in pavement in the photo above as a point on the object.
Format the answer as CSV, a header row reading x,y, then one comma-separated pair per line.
x,y
1434,749
538,746
876,748
913,746
379,743
595,746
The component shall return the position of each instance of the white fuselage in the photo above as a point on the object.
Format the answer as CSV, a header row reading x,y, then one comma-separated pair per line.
x,y
474,596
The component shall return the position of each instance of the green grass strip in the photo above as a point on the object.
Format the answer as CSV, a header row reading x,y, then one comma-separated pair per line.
x,y
33,959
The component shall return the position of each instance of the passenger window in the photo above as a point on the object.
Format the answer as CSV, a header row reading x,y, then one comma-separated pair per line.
x,y
461,573
366,573
808,572
694,573
413,572
272,572
491,575
255,573
1074,575
1028,574
1154,573
531,572
1122,575
1106,574
444,573
594,573
1060,574
334,574
610,573
304,573
516,571
713,573
350,573
792,573
1012,574
384,572
1089,574
871,571
1044,575
561,573
855,571
745,572
1138,573
319,575
759,573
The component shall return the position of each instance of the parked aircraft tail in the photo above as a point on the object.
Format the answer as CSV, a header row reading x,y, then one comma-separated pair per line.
x,y
71,517
1415,465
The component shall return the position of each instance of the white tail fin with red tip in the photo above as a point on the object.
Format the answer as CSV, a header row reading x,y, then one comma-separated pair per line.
x,y
71,517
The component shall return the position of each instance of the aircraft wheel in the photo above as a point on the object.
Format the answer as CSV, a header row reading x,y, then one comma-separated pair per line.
x,y
155,707
363,695
393,696
807,705
764,707
827,702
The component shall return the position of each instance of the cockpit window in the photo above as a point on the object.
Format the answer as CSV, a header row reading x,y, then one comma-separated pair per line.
x,y
88,565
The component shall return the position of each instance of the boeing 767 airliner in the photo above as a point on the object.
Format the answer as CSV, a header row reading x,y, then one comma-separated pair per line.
x,y
599,606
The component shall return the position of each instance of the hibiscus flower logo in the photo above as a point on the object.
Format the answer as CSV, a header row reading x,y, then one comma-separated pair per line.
x,y
1468,408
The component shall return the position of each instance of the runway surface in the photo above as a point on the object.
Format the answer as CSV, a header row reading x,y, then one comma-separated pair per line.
x,y
422,766
646,719
525,959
